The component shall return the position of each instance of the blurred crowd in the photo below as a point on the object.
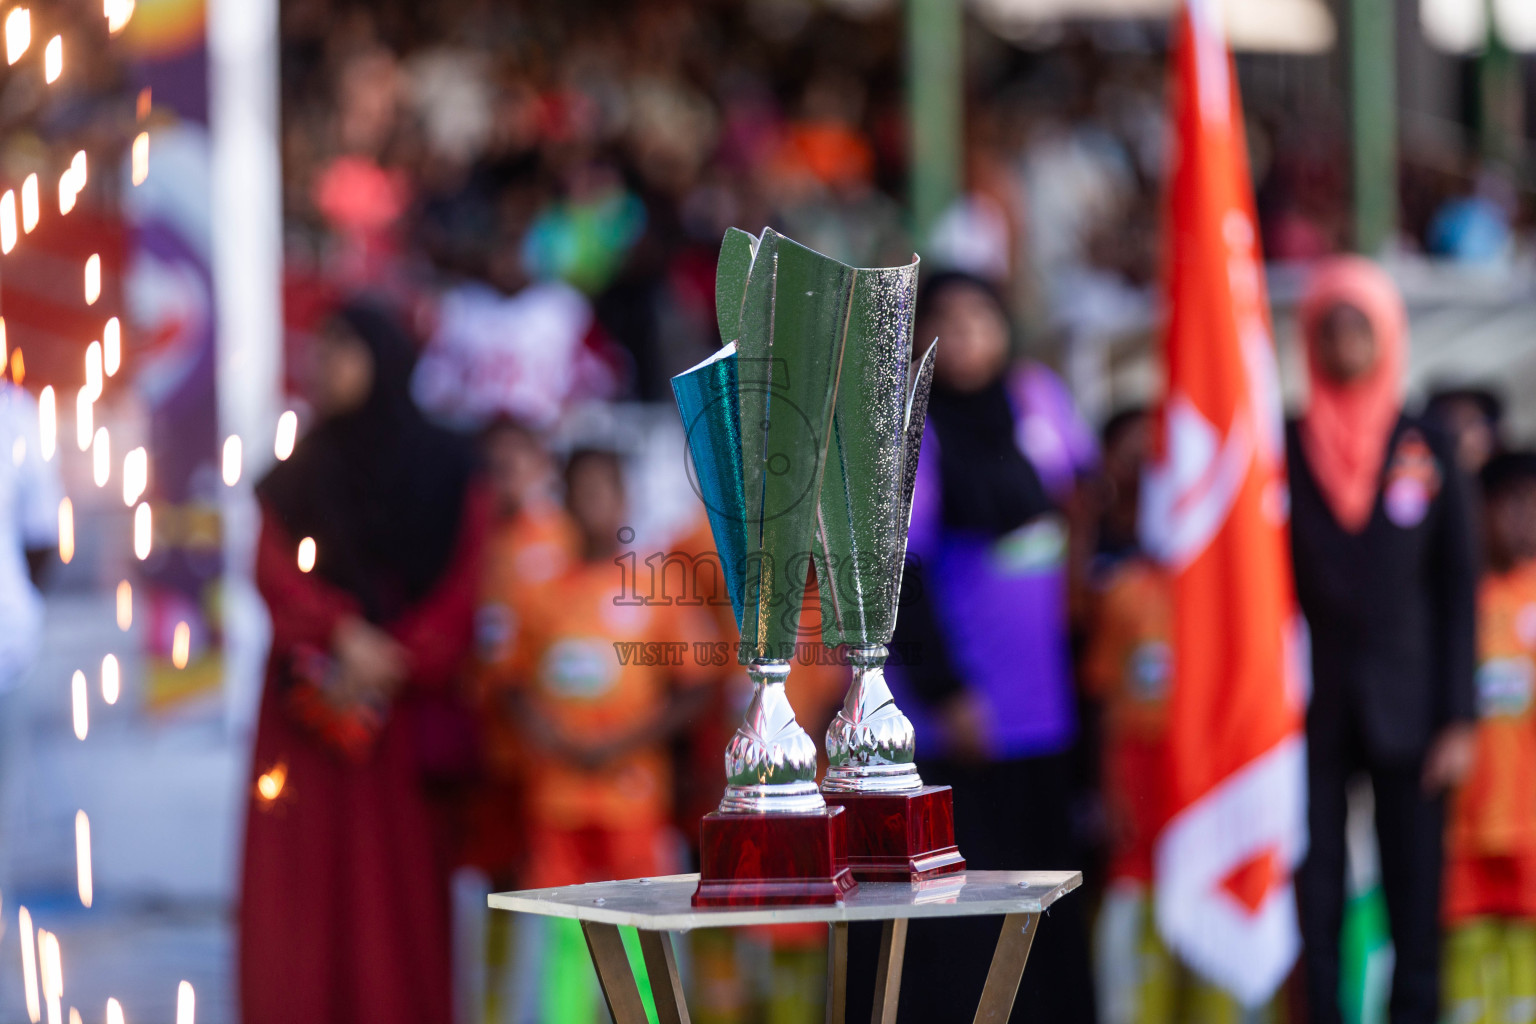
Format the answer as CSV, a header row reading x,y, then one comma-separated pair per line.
x,y
531,198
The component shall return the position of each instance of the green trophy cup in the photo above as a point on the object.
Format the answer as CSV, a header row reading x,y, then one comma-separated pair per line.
x,y
898,829
758,416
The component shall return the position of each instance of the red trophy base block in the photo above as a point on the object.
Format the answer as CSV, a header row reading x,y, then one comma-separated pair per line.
x,y
749,860
900,837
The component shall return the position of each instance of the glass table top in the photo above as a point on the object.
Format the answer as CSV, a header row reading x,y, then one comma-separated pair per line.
x,y
664,904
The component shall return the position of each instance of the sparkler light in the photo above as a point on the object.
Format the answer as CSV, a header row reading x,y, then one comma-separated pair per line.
x,y
67,192
181,645
18,34
186,1003
114,1012
118,12
48,422
52,964
231,460
18,367
101,457
92,278
29,965
66,530
93,369
8,221
143,104
111,674
112,346
135,476
53,60
306,554
84,418
287,435
142,531
81,708
140,157
124,607
29,201
74,1016
83,857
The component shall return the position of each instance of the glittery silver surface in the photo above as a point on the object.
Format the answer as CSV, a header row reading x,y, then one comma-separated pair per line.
x,y
861,522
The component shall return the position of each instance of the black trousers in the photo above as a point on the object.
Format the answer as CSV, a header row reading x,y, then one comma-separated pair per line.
x,y
1410,834
1009,815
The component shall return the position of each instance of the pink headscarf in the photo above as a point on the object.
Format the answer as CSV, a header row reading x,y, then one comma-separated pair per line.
x,y
1345,428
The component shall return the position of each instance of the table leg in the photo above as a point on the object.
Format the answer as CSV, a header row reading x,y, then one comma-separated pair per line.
x,y
1007,968
666,986
893,951
837,972
613,973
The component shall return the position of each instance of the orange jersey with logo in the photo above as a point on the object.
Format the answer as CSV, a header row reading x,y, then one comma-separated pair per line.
x,y
599,663
1494,811
522,555
1127,667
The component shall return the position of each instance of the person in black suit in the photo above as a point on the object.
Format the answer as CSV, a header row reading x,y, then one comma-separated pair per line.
x,y
1386,572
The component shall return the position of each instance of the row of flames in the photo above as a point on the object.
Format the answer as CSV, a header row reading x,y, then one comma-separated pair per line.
x,y
42,961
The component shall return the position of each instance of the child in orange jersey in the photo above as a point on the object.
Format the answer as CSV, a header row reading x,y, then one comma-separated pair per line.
x,y
532,542
1490,891
602,681
1127,669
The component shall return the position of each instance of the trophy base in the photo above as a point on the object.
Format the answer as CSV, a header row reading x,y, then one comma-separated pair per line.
x,y
901,837
753,860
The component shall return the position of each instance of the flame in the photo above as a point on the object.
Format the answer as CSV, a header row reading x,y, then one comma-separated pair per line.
x,y
84,415
111,674
74,1016
135,475
124,607
18,367
140,157
53,60
143,104
67,192
101,457
287,435
143,536
8,221
48,421
92,278
114,1012
66,530
112,346
52,972
29,965
231,460
83,857
186,1003
18,34
81,707
181,645
29,204
306,554
269,785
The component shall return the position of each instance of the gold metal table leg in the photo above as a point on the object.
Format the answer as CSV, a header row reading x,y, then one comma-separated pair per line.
x,y
893,951
1007,968
613,973
837,972
666,986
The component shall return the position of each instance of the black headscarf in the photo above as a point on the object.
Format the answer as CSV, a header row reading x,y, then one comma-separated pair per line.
x,y
380,489
986,485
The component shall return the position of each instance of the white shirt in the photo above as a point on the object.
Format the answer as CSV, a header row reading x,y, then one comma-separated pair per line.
x,y
29,519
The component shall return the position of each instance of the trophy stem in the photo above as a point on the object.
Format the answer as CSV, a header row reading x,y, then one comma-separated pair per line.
x,y
870,744
770,763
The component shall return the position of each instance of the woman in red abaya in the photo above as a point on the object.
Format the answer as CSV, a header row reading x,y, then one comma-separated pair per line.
x,y
344,902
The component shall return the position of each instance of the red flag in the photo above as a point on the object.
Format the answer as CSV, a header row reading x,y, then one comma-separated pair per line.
x,y
1215,513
